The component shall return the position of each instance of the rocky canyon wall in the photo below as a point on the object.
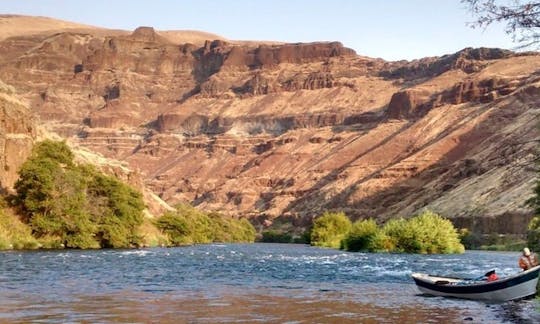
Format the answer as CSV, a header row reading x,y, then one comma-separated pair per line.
x,y
17,134
284,132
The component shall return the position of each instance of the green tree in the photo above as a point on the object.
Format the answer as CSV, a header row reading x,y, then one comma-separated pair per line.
x,y
119,211
53,150
175,227
228,229
52,196
76,206
330,229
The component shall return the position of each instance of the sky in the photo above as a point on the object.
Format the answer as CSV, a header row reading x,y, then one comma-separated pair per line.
x,y
390,29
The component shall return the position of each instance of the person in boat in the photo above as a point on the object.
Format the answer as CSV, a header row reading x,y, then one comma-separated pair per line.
x,y
528,259
491,276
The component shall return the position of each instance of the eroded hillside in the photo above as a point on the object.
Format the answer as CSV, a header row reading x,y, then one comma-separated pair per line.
x,y
290,130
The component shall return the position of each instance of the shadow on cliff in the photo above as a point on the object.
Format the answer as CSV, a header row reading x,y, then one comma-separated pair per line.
x,y
451,168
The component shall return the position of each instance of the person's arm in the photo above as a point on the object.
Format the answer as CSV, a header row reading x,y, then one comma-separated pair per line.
x,y
522,264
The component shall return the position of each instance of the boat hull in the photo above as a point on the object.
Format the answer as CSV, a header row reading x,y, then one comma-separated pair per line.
x,y
514,287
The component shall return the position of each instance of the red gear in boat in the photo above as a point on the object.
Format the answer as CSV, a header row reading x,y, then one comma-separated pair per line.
x,y
492,277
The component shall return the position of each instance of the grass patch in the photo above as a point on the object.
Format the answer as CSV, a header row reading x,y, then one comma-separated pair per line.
x,y
14,234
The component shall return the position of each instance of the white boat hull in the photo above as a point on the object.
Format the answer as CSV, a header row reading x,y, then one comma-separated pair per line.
x,y
514,287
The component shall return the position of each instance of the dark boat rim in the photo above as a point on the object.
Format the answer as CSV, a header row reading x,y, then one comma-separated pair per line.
x,y
481,287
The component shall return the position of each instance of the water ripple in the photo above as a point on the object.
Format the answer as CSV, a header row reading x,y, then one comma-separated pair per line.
x,y
36,282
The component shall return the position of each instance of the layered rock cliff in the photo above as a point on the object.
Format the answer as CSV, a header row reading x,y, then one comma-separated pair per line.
x,y
290,130
17,133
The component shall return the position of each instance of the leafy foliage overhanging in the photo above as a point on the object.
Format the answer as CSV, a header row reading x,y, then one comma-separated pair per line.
x,y
522,18
76,206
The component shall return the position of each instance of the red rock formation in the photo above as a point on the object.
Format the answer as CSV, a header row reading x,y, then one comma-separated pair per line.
x,y
290,130
469,60
480,91
17,133
408,104
416,102
298,53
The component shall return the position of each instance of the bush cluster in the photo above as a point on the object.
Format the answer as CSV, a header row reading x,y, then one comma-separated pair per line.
x,y
188,225
75,206
66,205
330,229
424,233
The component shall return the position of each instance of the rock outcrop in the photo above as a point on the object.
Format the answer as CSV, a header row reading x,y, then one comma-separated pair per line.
x,y
17,134
409,103
290,130
468,60
417,101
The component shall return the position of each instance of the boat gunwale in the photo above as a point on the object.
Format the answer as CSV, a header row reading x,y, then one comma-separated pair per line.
x,y
476,287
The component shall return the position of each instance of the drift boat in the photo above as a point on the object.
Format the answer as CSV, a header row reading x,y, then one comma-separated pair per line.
x,y
517,286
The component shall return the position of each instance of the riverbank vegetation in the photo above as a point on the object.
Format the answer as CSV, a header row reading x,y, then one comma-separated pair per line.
x,y
284,230
330,230
423,233
492,242
62,204
14,234
188,225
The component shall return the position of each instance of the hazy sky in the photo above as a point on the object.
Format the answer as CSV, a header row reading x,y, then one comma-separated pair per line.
x,y
391,29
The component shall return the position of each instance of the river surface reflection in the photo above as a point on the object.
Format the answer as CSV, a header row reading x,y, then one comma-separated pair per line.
x,y
236,283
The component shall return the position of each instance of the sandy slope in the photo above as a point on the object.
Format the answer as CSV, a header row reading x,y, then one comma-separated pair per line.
x,y
18,25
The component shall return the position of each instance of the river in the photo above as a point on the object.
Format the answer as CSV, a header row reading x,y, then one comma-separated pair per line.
x,y
244,283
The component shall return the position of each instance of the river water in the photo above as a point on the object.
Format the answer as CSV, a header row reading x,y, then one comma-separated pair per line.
x,y
244,283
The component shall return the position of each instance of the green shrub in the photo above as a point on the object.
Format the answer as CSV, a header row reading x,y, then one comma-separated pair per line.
x,y
247,230
53,150
187,225
151,236
399,234
380,242
437,235
424,233
175,227
14,234
51,242
330,229
119,211
361,235
199,224
228,229
76,206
